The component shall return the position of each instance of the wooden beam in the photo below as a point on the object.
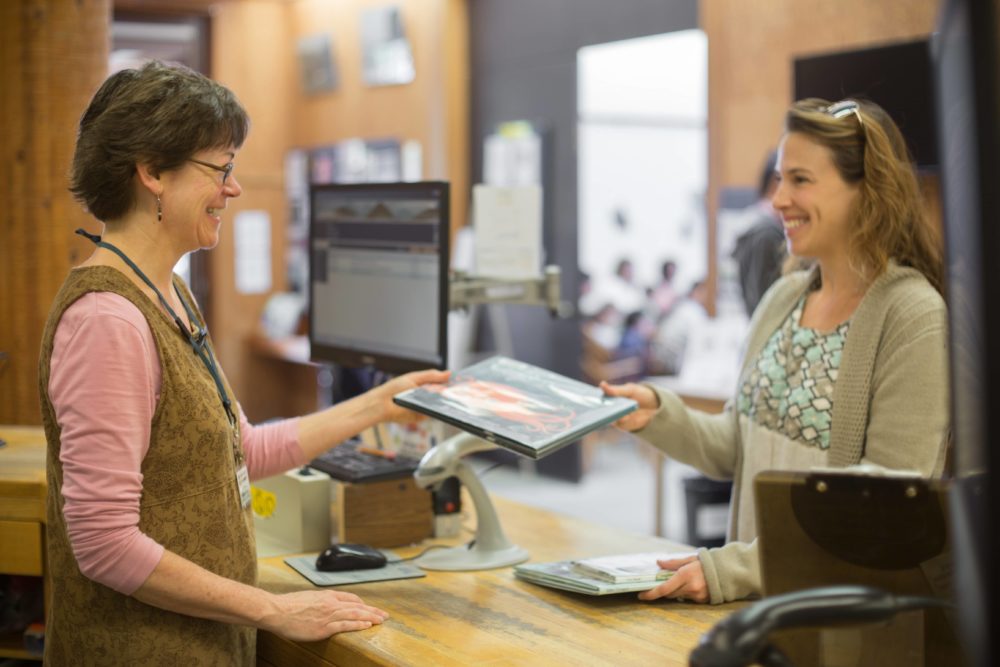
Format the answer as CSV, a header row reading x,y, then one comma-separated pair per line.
x,y
54,56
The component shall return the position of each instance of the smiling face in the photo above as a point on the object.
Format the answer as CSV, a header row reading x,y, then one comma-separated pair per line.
x,y
814,201
194,197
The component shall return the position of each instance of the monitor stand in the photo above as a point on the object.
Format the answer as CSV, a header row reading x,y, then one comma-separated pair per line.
x,y
491,548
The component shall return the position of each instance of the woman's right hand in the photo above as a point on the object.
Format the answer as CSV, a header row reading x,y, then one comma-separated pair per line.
x,y
314,615
384,393
647,399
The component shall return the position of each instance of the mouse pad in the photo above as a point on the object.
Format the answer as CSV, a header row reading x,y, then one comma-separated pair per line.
x,y
394,569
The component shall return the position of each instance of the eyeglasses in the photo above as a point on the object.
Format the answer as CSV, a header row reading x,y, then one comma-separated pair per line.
x,y
845,108
226,169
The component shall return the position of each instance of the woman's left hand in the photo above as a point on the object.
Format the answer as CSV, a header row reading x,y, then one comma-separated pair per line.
x,y
647,399
687,583
385,392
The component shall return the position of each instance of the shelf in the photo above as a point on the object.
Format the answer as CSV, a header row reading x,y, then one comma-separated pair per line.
x,y
12,646
22,517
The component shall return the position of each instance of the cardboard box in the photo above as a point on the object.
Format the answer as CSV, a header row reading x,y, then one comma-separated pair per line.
x,y
390,513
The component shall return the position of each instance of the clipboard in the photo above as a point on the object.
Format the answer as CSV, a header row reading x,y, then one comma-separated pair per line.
x,y
838,527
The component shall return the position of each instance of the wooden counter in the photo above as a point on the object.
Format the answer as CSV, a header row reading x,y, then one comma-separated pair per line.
x,y
22,473
489,617
22,513
445,618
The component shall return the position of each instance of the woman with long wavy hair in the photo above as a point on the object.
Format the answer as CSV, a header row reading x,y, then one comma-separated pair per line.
x,y
846,361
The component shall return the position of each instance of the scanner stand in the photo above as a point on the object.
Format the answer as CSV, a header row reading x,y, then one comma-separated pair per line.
x,y
491,548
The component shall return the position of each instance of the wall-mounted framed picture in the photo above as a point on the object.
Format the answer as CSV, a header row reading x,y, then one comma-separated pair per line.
x,y
317,67
386,55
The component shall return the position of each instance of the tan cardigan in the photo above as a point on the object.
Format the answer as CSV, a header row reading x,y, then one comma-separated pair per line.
x,y
890,403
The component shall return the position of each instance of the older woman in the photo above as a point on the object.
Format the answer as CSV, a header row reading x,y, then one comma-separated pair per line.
x,y
150,534
846,361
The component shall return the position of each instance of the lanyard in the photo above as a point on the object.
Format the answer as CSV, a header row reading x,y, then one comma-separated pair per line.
x,y
198,341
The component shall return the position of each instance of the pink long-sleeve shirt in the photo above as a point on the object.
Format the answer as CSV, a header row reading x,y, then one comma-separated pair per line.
x,y
104,385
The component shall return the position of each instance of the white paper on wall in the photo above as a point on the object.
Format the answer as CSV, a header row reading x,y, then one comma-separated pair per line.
x,y
508,224
253,252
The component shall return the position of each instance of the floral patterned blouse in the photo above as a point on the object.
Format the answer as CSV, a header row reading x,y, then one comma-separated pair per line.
x,y
790,388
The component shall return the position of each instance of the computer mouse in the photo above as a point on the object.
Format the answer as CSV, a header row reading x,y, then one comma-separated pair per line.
x,y
339,557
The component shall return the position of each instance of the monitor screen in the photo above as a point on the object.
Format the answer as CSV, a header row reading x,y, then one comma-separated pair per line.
x,y
378,287
897,77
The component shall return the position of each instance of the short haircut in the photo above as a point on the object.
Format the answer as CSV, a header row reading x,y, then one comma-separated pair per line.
x,y
159,114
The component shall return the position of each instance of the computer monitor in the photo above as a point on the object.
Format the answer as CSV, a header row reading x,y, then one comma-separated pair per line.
x,y
378,279
895,76
967,92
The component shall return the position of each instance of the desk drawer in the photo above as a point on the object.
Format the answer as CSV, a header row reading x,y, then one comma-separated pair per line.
x,y
21,548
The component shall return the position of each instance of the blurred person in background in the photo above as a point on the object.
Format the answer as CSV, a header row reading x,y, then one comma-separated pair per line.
x,y
760,250
670,340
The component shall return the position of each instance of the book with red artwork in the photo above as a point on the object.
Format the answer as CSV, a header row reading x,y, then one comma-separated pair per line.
x,y
516,405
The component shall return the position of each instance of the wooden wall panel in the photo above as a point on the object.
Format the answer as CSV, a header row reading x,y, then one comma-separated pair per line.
x,y
53,55
253,53
433,109
751,46
453,121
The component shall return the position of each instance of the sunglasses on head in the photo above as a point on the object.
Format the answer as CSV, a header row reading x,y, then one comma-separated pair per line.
x,y
845,108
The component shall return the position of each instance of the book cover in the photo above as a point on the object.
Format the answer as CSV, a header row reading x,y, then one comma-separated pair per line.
x,y
624,568
564,576
521,407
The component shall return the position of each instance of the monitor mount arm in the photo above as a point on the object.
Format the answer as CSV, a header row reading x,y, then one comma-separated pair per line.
x,y
467,290
490,548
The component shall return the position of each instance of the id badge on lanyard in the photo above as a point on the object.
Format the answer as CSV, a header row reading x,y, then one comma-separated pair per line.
x,y
243,484
242,475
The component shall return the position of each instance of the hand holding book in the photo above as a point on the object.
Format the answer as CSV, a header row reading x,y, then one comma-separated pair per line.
x,y
686,584
625,573
646,400
625,567
527,409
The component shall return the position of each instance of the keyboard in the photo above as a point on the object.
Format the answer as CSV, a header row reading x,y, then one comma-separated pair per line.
x,y
345,463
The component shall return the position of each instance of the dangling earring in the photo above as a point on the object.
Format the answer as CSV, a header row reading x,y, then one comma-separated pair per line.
x,y
159,210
